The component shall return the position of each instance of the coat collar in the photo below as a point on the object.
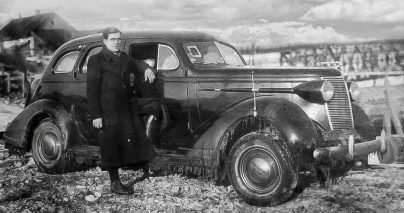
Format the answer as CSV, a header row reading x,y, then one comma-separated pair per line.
x,y
107,54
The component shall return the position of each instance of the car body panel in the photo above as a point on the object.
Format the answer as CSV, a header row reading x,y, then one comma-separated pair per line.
x,y
294,125
21,129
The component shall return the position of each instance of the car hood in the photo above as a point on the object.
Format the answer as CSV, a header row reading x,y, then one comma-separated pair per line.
x,y
276,72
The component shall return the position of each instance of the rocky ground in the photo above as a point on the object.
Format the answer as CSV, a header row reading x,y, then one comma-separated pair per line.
x,y
24,189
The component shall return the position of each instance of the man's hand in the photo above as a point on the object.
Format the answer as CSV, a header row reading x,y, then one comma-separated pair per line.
x,y
97,123
149,74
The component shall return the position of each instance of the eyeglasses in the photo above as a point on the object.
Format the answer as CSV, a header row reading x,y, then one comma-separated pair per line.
x,y
115,39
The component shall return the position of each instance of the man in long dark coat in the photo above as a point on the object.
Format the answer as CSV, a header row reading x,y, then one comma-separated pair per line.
x,y
123,142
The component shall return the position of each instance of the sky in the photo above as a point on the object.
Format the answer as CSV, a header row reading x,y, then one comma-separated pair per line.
x,y
265,23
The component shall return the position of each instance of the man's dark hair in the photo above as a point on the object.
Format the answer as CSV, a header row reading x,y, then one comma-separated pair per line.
x,y
110,30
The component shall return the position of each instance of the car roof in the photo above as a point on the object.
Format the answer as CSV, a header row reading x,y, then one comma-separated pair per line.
x,y
168,35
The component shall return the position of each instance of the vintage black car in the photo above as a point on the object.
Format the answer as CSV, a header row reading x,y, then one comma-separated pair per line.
x,y
269,131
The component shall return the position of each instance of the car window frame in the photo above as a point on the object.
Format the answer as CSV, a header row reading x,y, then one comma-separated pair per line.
x,y
83,59
231,47
158,57
62,56
191,63
179,72
134,44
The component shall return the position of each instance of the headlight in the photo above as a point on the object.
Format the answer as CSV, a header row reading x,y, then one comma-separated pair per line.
x,y
327,90
315,91
354,91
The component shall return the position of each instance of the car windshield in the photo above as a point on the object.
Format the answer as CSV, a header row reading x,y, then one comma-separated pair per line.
x,y
212,53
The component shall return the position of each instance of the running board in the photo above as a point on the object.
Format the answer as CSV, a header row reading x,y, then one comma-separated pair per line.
x,y
171,163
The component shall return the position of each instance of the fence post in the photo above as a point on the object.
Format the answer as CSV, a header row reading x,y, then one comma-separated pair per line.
x,y
392,109
387,122
8,83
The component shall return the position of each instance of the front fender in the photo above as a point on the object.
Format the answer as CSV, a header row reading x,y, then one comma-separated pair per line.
x,y
20,131
295,127
362,123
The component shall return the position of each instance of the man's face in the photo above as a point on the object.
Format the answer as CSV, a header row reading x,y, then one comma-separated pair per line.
x,y
113,42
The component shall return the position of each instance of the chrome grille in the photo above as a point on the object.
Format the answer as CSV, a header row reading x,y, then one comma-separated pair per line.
x,y
339,109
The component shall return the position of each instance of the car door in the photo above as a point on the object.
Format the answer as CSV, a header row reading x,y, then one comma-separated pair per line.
x,y
58,78
171,86
62,82
58,82
81,110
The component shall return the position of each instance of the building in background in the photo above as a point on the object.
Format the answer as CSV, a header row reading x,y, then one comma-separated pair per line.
x,y
46,32
26,47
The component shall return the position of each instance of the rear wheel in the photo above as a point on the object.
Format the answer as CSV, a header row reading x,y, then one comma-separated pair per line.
x,y
47,148
260,170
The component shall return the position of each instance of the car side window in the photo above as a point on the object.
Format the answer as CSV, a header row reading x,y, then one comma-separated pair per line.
x,y
66,62
93,51
146,52
167,59
230,56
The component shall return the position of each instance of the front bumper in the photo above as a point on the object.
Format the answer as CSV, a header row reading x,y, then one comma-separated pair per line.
x,y
348,150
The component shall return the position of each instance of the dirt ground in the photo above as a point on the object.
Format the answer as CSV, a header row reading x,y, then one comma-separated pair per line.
x,y
379,188
24,189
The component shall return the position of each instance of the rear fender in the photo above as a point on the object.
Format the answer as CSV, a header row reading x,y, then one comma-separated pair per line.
x,y
32,89
20,131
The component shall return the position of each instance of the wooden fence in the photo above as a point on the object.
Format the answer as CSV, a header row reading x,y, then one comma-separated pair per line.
x,y
391,114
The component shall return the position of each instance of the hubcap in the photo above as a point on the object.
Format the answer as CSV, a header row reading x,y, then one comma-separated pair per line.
x,y
259,170
49,146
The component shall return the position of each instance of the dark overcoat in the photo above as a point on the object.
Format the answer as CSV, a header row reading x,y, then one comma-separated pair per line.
x,y
123,142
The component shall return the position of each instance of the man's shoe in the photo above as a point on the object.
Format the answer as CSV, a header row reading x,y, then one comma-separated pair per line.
x,y
118,188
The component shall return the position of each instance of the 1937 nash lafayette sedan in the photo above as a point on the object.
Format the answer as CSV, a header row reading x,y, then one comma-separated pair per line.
x,y
269,131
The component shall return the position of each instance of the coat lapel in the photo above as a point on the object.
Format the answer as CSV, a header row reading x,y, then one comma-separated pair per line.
x,y
107,54
125,63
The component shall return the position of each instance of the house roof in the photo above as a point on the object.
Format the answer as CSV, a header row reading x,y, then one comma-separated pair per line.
x,y
42,26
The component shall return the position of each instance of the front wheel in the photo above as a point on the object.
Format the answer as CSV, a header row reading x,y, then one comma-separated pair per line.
x,y
260,170
47,148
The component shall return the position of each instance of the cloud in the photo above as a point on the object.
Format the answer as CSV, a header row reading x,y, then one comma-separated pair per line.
x,y
398,29
135,17
379,11
267,22
212,13
274,34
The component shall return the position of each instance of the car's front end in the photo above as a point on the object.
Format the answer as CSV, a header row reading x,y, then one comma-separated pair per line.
x,y
322,93
249,115
324,103
346,134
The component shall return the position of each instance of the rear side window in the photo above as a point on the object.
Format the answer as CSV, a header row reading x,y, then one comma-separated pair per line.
x,y
66,62
92,52
167,59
